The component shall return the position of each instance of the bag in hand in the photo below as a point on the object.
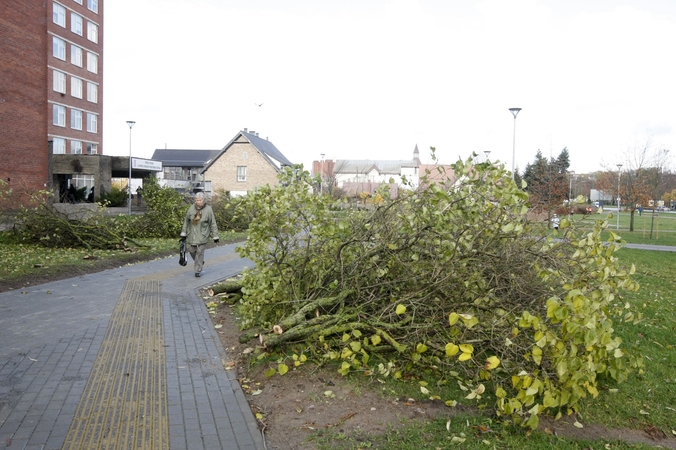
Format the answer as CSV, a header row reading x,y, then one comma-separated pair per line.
x,y
182,260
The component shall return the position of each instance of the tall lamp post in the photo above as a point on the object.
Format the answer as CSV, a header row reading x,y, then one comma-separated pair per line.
x,y
619,172
514,112
321,176
131,124
571,174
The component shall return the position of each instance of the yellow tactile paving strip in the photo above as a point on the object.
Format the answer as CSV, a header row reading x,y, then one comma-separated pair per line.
x,y
124,404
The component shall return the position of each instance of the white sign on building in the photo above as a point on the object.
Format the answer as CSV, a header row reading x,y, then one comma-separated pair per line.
x,y
146,164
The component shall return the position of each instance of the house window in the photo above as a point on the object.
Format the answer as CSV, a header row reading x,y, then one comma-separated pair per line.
x,y
59,82
76,87
76,119
76,23
78,1
92,149
92,120
93,5
59,116
59,146
93,32
59,15
241,173
59,48
92,62
75,147
92,92
76,55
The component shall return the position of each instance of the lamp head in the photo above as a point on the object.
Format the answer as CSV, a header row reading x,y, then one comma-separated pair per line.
x,y
130,123
514,111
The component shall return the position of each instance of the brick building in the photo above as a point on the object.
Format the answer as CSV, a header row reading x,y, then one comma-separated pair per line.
x,y
245,163
51,86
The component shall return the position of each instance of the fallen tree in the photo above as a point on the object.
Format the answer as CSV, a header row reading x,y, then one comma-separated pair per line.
x,y
38,221
449,278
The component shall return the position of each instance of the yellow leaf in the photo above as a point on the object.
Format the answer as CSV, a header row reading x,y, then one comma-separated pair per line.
x,y
537,355
453,318
466,348
375,339
452,349
424,390
464,356
401,309
282,369
259,416
421,348
492,362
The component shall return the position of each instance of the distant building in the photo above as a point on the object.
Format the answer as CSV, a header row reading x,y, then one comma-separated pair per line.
x,y
355,176
244,164
51,87
182,169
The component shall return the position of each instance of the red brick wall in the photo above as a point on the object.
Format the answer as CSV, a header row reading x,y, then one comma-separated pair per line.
x,y
23,100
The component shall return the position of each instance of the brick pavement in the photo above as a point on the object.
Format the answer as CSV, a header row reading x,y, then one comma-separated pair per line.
x,y
51,334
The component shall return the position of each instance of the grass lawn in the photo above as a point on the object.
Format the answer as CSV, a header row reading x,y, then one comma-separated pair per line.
x,y
30,261
657,230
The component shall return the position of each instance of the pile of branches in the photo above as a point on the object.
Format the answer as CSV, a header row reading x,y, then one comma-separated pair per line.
x,y
449,278
43,224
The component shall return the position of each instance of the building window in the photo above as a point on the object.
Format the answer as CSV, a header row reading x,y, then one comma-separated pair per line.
x,y
93,32
93,5
241,173
59,50
59,115
59,82
76,55
76,87
59,146
76,119
80,181
92,92
59,15
78,1
91,122
76,23
92,149
92,62
75,147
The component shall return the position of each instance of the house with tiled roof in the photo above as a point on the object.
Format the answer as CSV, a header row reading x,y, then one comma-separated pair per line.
x,y
244,164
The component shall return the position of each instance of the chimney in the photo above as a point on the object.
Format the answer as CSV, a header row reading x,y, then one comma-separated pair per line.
x,y
246,130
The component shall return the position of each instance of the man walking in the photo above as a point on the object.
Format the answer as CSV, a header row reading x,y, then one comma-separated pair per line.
x,y
198,224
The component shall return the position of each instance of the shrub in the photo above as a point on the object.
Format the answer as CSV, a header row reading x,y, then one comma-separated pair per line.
x,y
164,214
229,212
115,198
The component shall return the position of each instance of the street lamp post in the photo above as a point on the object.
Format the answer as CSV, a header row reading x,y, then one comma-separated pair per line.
x,y
131,124
321,176
571,174
487,152
619,172
514,112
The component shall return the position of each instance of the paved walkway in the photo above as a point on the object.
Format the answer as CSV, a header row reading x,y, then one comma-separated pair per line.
x,y
125,358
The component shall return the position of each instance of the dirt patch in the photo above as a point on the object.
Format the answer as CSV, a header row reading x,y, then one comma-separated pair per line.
x,y
310,401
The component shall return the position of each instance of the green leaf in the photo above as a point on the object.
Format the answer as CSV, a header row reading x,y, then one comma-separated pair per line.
x,y
282,369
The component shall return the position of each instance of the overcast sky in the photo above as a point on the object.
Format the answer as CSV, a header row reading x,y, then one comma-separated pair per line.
x,y
371,79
